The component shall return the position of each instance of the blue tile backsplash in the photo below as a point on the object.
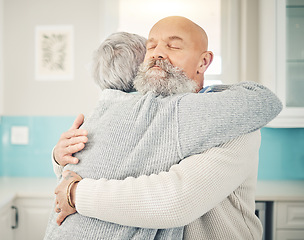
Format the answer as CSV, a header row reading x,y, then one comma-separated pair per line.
x,y
32,160
281,152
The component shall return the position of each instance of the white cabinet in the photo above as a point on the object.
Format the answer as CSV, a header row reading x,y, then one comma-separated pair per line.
x,y
25,218
6,221
288,221
281,57
33,215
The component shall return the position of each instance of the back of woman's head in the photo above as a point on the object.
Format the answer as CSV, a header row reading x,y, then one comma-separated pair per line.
x,y
115,62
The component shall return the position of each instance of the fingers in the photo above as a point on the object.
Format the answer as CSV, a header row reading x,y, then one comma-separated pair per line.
x,y
66,148
69,139
70,159
72,145
75,145
82,133
63,212
69,149
71,142
57,209
66,159
61,216
78,122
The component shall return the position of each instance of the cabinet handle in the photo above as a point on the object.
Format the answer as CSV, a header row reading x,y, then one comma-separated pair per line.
x,y
16,217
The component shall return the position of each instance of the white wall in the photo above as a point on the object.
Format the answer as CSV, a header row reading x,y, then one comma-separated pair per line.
x,y
249,39
1,57
23,95
109,17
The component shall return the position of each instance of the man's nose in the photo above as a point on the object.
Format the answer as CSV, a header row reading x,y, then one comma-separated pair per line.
x,y
159,53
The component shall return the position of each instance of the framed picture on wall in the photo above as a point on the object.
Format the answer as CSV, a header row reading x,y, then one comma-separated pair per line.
x,y
54,52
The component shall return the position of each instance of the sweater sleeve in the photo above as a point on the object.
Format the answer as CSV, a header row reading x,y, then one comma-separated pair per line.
x,y
57,168
174,198
217,117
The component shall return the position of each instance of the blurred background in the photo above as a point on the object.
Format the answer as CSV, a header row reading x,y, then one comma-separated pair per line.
x,y
242,35
45,51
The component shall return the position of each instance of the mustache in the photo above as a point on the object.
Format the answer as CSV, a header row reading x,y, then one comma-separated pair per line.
x,y
165,65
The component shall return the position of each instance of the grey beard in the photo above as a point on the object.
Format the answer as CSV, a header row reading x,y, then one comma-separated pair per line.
x,y
166,81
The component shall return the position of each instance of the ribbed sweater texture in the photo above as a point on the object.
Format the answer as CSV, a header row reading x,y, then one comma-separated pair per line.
x,y
134,135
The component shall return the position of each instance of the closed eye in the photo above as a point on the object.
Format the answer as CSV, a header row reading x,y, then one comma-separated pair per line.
x,y
173,47
151,47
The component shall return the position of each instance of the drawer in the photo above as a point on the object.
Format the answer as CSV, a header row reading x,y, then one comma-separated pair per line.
x,y
290,215
290,235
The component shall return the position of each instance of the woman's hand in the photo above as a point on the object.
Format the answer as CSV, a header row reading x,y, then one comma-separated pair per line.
x,y
62,205
70,142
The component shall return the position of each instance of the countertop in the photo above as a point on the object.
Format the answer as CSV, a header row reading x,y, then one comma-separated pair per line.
x,y
12,187
280,190
44,188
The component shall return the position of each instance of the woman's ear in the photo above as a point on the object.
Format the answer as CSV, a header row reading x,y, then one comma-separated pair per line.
x,y
206,60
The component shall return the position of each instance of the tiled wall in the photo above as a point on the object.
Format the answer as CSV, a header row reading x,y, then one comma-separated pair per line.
x,y
281,153
34,159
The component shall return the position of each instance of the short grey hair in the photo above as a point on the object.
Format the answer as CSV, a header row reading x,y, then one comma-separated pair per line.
x,y
116,61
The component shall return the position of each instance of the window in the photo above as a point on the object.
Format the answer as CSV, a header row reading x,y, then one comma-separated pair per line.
x,y
138,16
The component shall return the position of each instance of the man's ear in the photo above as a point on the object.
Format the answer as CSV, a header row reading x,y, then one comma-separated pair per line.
x,y
206,60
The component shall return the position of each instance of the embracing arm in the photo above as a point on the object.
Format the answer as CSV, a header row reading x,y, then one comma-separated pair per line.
x,y
175,198
208,119
215,118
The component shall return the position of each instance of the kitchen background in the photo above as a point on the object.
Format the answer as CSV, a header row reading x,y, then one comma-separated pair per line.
x,y
253,40
44,109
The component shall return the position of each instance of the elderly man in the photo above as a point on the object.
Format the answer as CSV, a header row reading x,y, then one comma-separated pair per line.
x,y
211,193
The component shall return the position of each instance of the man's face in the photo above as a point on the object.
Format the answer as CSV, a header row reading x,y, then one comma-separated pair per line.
x,y
180,43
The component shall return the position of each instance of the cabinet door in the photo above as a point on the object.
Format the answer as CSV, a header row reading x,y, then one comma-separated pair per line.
x,y
6,231
290,215
294,54
281,63
290,59
33,217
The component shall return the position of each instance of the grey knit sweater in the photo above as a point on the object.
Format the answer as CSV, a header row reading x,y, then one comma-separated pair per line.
x,y
132,135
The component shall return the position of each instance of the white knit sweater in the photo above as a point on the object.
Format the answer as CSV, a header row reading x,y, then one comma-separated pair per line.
x,y
212,193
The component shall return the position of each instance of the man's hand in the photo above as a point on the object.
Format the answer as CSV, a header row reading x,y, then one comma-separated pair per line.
x,y
71,142
62,206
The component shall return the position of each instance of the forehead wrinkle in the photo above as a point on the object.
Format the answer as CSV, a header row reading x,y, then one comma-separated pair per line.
x,y
170,38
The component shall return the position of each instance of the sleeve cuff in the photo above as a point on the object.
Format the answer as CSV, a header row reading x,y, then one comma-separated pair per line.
x,y
56,167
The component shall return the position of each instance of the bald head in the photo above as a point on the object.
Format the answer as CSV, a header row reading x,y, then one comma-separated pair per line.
x,y
183,43
194,31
